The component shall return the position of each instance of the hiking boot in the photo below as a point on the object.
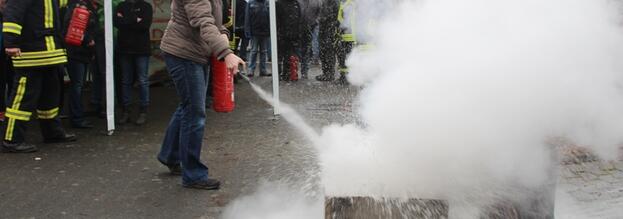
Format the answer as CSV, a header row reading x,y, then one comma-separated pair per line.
x,y
142,119
210,184
266,74
324,77
61,139
8,147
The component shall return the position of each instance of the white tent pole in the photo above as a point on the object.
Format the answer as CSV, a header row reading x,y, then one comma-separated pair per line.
x,y
275,60
110,82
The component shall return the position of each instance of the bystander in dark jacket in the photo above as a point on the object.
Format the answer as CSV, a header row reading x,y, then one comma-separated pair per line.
x,y
290,29
133,18
243,41
79,59
257,27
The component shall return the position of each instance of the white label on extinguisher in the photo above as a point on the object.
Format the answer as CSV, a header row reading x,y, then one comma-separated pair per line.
x,y
232,97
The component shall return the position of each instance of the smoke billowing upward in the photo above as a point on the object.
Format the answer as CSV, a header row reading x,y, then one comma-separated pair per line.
x,y
461,97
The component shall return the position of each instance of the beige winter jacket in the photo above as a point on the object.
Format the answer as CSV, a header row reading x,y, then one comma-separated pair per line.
x,y
194,31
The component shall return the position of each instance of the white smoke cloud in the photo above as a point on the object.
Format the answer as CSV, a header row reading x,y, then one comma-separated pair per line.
x,y
275,201
461,96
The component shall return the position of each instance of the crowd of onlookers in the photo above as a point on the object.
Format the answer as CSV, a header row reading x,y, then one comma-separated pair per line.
x,y
132,21
306,30
41,49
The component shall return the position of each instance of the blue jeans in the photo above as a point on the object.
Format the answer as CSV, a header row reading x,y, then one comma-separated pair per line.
x,y
131,66
184,136
258,44
77,71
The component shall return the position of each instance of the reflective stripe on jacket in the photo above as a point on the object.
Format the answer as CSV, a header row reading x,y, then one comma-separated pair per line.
x,y
34,26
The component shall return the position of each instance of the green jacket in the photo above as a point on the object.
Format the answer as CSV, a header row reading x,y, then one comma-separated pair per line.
x,y
100,13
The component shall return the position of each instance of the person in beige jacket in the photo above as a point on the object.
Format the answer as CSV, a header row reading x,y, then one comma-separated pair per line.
x,y
194,34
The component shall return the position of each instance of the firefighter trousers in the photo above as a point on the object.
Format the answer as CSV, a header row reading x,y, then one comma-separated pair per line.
x,y
36,91
328,37
343,50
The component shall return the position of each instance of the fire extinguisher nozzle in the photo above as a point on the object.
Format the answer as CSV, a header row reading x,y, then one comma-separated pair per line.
x,y
243,76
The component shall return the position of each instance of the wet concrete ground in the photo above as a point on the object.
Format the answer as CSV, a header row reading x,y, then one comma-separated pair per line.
x,y
118,176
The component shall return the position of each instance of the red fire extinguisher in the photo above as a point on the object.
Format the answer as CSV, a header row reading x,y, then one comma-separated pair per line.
x,y
77,26
294,68
222,87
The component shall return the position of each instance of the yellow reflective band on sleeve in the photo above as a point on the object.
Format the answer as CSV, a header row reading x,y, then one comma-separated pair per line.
x,y
18,115
9,27
49,43
39,62
43,54
21,89
49,14
63,3
47,114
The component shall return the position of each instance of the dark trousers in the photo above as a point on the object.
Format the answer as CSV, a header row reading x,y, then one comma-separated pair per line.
x,y
287,48
306,51
242,43
328,36
77,72
343,50
98,72
37,90
6,79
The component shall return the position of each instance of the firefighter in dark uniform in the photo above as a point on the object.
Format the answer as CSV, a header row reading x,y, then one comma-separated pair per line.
x,y
346,17
328,36
32,37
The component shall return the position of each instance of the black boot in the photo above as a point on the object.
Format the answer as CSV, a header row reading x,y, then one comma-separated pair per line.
x,y
142,116
125,115
23,147
210,184
343,80
324,77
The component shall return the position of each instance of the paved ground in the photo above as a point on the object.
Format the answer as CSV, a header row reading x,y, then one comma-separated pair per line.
x,y
118,177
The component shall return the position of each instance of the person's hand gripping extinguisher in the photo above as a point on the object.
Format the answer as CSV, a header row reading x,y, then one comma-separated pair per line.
x,y
233,61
